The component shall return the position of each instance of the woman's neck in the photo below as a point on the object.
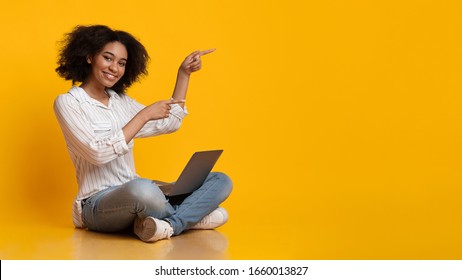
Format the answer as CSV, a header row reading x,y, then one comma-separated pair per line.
x,y
94,91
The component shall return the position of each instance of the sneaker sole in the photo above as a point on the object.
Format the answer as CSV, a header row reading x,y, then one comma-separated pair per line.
x,y
145,229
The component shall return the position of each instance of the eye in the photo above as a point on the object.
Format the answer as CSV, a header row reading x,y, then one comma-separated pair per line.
x,y
107,58
122,64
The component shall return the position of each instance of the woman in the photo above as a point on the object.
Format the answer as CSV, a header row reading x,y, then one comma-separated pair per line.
x,y
99,122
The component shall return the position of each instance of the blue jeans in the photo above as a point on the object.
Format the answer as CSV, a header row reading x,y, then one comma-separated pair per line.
x,y
115,208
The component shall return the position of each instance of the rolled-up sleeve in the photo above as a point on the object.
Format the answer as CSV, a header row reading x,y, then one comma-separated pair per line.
x,y
118,143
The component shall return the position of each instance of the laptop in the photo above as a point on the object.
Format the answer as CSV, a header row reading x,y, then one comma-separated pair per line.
x,y
193,175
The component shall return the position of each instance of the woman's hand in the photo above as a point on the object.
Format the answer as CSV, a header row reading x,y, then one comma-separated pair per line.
x,y
159,109
192,62
155,111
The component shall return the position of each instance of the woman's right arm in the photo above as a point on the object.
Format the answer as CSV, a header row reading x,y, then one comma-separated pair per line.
x,y
81,137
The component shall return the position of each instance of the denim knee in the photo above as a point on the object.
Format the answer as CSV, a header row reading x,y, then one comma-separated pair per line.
x,y
225,185
149,199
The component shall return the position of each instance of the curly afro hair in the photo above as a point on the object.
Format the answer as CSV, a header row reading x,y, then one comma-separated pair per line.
x,y
86,41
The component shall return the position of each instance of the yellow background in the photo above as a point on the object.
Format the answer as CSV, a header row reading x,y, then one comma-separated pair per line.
x,y
340,120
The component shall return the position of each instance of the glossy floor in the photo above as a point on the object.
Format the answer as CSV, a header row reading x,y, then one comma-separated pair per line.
x,y
256,236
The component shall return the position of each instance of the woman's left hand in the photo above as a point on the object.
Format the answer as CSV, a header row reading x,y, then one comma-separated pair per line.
x,y
192,62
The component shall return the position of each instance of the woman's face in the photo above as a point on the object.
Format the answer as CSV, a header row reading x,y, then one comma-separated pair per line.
x,y
108,66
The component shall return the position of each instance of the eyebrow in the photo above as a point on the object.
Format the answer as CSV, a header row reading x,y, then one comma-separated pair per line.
x,y
114,55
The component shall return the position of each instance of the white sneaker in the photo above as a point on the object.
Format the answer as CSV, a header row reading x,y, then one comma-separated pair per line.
x,y
151,229
217,218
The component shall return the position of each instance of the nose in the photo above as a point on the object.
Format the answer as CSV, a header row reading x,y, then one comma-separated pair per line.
x,y
113,67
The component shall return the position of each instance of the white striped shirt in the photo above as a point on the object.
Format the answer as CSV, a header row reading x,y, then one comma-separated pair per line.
x,y
96,143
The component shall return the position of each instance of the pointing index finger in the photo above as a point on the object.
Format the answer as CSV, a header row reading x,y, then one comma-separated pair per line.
x,y
206,52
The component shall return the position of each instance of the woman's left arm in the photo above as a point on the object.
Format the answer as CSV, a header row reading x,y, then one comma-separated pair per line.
x,y
192,63
177,111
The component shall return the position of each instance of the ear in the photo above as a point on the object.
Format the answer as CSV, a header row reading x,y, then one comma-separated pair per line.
x,y
88,59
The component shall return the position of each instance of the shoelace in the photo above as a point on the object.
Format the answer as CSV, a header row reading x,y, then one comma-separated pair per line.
x,y
205,221
167,232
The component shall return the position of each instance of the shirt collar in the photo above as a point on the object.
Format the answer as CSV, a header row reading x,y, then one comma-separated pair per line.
x,y
80,94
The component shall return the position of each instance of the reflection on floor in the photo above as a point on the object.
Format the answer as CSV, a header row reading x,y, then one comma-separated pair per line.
x,y
70,243
194,244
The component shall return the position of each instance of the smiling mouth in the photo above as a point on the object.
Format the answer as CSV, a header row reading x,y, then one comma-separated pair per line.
x,y
110,76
